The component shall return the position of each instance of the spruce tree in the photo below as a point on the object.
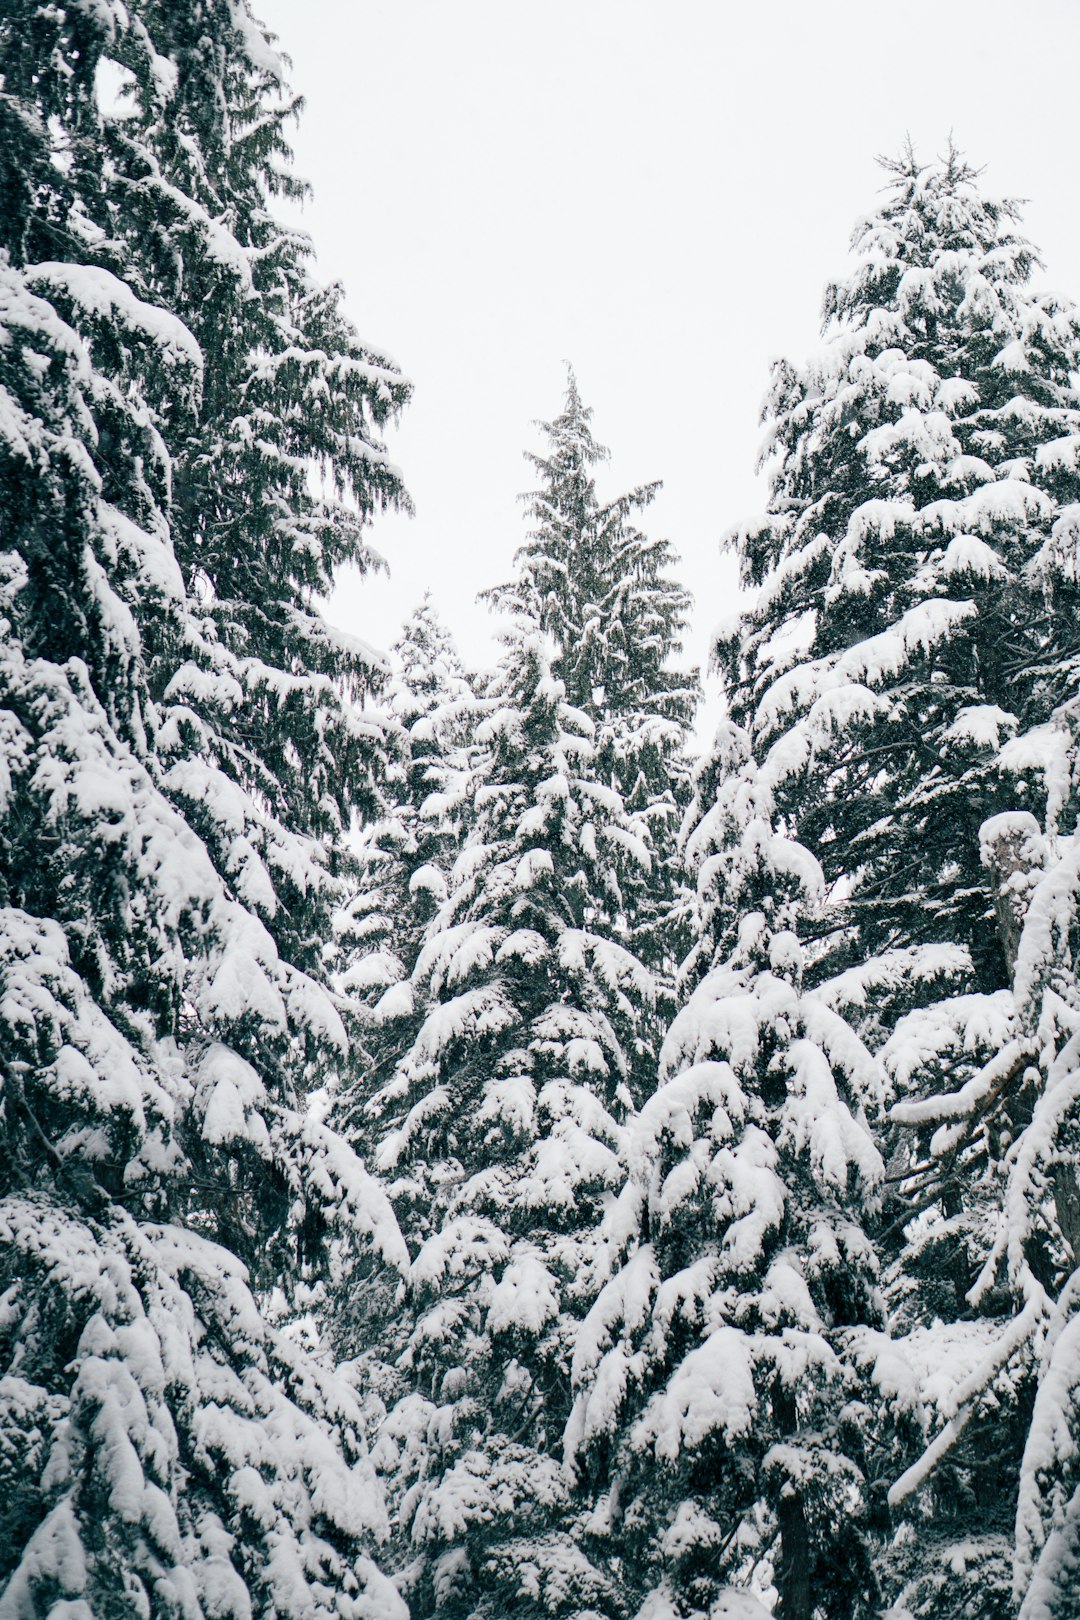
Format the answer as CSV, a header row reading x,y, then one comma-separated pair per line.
x,y
998,1138
719,1393
165,1448
272,485
406,854
501,1133
900,672
602,590
900,632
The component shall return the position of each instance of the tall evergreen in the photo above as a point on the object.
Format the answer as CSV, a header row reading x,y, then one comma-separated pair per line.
x,y
910,641
165,881
602,590
717,1422
900,670
993,1486
900,632
272,485
501,1132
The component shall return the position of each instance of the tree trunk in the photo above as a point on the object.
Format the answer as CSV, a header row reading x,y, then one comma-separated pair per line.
x,y
793,1572
793,1564
1014,853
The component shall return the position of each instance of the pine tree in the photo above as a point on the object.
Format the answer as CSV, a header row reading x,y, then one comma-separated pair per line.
x,y
911,639
900,632
500,1139
272,486
716,1426
602,590
997,1469
407,853
164,1447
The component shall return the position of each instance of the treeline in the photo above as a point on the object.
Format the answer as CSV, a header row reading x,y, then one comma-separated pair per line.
x,y
462,1154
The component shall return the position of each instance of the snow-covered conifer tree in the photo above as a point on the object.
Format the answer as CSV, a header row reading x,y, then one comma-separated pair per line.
x,y
717,1420
164,1448
601,589
1000,1132
899,671
273,482
406,853
428,674
501,1134
900,632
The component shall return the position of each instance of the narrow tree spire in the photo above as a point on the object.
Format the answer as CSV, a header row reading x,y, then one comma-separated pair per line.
x,y
602,589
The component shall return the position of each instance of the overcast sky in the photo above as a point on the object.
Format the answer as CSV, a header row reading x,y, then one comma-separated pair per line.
x,y
657,192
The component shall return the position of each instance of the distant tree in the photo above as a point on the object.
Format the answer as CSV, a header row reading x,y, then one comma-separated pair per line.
x,y
406,854
602,590
501,1133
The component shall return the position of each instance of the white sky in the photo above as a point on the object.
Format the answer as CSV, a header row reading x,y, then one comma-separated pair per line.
x,y
657,192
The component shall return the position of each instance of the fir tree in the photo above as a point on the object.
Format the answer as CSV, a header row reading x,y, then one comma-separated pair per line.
x,y
900,670
164,1448
900,632
407,853
500,1138
272,486
601,589
717,1419
998,1470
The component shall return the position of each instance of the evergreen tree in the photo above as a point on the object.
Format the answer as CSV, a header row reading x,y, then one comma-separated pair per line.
x,y
272,486
900,670
601,589
406,854
999,1164
500,1135
901,632
166,1449
428,672
718,1412
951,1553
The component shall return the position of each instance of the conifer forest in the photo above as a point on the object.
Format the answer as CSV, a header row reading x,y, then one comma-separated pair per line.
x,y
472,1146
